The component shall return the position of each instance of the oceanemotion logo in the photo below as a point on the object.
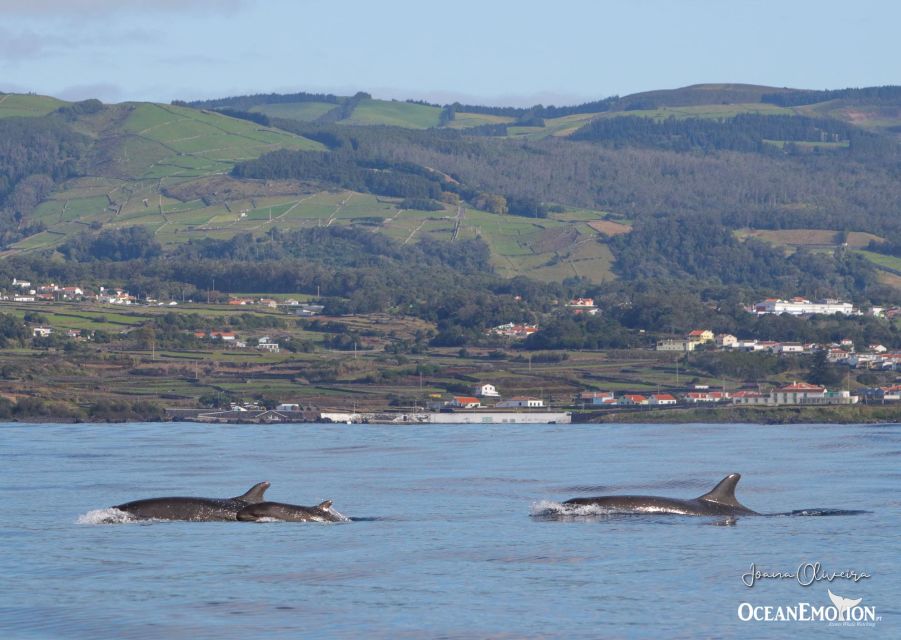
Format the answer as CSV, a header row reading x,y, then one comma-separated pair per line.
x,y
843,611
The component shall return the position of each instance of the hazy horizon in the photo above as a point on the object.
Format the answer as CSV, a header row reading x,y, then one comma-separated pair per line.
x,y
474,52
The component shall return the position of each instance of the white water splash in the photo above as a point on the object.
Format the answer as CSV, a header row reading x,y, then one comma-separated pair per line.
x,y
551,509
343,518
105,516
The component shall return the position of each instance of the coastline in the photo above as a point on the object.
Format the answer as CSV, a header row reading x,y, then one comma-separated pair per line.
x,y
856,414
853,414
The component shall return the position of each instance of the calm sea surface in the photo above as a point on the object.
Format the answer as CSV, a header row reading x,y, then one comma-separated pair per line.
x,y
446,544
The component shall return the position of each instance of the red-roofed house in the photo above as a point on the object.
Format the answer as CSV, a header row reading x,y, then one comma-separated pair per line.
x,y
660,399
633,400
799,393
701,335
465,402
596,398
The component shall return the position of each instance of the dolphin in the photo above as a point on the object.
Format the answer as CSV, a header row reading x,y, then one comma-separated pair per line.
x,y
720,501
322,512
197,509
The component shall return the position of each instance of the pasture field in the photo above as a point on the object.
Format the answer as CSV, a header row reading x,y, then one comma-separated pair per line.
x,y
302,111
808,237
463,120
169,141
881,260
545,249
394,113
27,105
562,246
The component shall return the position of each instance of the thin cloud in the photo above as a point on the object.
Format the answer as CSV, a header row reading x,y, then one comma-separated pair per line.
x,y
26,44
22,45
44,8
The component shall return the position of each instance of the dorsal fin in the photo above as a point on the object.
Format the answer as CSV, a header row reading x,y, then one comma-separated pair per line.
x,y
325,505
724,492
255,493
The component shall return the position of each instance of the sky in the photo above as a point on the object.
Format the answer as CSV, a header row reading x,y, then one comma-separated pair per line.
x,y
484,51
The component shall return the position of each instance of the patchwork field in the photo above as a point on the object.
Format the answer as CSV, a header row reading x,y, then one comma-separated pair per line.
x,y
809,237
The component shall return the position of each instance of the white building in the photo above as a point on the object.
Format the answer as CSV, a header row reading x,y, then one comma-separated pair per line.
x,y
484,390
797,393
520,402
677,345
803,307
266,344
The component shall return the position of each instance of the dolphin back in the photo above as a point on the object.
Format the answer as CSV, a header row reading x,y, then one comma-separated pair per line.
x,y
254,494
724,494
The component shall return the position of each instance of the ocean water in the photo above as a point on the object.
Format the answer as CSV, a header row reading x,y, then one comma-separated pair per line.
x,y
445,542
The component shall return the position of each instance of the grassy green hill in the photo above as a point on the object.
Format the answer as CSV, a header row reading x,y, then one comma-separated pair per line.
x,y
165,167
697,101
394,113
302,111
27,105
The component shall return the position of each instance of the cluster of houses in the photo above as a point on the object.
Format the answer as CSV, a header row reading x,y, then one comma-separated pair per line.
x,y
512,330
522,331
482,395
583,305
230,338
485,395
876,356
295,306
24,291
797,393
46,332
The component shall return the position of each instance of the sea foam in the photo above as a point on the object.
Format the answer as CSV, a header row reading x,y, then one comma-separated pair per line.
x,y
105,516
553,510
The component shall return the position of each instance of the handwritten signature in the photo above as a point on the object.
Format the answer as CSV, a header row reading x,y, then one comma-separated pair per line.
x,y
807,574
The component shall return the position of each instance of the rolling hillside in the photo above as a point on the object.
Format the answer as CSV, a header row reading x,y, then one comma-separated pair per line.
x,y
167,168
713,101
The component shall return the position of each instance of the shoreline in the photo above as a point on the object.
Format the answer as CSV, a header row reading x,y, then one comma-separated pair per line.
x,y
855,414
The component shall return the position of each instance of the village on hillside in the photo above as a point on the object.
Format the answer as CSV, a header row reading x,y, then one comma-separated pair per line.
x,y
487,396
